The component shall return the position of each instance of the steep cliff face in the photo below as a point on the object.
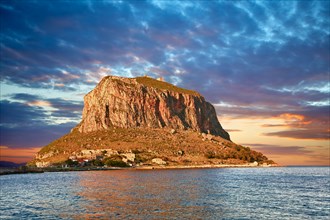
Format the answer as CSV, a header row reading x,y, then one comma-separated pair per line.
x,y
145,102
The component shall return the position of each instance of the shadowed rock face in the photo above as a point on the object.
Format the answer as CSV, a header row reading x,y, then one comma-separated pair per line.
x,y
145,102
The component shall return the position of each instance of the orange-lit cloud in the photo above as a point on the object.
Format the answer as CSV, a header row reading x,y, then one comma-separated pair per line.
x,y
315,134
68,76
289,120
287,139
158,71
295,155
98,74
40,103
295,119
59,85
273,125
233,130
298,127
17,155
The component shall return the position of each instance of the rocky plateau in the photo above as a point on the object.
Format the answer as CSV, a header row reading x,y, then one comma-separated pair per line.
x,y
147,122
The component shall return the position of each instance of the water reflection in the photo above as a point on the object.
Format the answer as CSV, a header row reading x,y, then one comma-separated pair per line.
x,y
146,194
277,193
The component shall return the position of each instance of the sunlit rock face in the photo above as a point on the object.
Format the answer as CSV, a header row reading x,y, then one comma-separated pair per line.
x,y
146,102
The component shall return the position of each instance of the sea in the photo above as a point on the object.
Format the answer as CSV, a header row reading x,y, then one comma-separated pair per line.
x,y
222,193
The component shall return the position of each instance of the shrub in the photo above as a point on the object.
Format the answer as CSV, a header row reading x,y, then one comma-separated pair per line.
x,y
210,155
140,159
115,163
164,85
115,157
136,151
104,152
70,162
97,163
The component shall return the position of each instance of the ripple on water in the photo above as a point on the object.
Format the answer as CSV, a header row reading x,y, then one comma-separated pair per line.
x,y
276,193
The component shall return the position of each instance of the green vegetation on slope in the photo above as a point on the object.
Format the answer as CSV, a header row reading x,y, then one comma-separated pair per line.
x,y
150,82
147,144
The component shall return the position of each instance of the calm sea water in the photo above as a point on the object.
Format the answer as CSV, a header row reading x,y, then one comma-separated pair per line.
x,y
245,193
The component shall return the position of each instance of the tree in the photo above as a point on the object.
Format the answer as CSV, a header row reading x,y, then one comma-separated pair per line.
x,y
71,163
110,162
97,163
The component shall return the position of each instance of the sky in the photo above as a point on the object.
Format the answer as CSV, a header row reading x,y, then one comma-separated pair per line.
x,y
264,65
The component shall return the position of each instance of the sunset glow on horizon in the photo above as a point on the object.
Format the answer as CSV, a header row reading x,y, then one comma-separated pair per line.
x,y
264,65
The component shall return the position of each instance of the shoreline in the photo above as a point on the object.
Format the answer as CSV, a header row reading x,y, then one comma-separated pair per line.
x,y
202,166
14,171
156,167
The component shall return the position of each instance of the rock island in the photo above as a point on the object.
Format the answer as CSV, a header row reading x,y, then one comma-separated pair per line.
x,y
146,122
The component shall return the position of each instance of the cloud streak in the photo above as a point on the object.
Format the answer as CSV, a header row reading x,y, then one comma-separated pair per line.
x,y
302,134
280,150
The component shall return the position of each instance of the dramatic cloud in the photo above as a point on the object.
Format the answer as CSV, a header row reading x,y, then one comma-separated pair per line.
x,y
280,150
33,136
28,124
262,44
311,155
302,127
14,114
59,107
251,59
302,134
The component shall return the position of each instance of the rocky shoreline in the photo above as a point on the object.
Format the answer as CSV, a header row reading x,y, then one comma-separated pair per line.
x,y
203,166
157,167
18,171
